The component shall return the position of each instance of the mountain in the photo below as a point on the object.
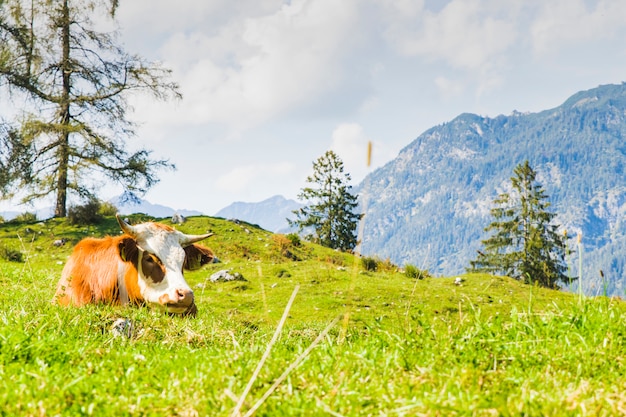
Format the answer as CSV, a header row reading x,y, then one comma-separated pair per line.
x,y
429,206
126,205
10,214
40,212
270,214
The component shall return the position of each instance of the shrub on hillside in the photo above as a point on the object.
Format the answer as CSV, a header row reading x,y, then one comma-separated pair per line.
x,y
11,255
88,213
369,264
386,266
412,271
281,242
107,209
282,273
26,217
294,238
285,246
336,258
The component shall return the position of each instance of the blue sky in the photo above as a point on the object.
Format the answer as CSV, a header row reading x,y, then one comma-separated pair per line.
x,y
268,86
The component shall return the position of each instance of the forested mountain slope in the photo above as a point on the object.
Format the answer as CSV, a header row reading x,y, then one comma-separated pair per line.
x,y
429,206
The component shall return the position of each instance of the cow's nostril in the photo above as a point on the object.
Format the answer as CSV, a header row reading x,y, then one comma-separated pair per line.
x,y
183,295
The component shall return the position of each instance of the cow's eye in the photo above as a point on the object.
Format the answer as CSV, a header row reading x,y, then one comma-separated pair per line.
x,y
152,267
152,259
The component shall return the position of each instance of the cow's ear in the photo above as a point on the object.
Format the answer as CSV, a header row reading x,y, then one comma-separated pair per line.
x,y
196,256
128,250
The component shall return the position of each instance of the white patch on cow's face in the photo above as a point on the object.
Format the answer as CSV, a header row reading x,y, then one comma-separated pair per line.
x,y
161,253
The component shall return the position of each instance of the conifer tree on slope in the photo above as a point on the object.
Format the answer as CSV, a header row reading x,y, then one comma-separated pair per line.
x,y
329,218
73,82
525,244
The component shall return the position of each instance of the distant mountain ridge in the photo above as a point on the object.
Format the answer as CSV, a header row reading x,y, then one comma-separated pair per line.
x,y
432,202
271,214
129,206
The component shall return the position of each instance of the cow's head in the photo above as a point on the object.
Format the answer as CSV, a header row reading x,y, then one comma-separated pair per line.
x,y
160,253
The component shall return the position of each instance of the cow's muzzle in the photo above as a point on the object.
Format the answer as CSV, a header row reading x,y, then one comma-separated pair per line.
x,y
180,302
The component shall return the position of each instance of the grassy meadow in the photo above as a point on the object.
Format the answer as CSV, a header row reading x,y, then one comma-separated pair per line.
x,y
352,343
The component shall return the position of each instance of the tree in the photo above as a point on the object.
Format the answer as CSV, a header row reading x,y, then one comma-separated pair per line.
x,y
330,213
76,81
525,243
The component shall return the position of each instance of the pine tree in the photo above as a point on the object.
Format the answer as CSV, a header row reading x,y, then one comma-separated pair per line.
x,y
75,80
525,243
329,218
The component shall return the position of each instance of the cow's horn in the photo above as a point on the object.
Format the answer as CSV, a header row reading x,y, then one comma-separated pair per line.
x,y
186,240
126,228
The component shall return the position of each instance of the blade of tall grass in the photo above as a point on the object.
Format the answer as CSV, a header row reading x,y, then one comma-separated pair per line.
x,y
410,301
291,367
255,374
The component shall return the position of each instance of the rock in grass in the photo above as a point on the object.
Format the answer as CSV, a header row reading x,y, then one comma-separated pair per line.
x,y
122,328
225,275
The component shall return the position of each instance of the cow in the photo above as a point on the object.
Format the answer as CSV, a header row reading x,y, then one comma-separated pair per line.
x,y
144,265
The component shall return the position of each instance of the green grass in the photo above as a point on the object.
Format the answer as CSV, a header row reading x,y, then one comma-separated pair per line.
x,y
491,346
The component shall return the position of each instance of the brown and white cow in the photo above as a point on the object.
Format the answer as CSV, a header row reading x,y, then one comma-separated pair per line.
x,y
145,264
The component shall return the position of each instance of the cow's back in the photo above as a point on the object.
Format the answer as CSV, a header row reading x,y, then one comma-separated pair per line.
x,y
93,273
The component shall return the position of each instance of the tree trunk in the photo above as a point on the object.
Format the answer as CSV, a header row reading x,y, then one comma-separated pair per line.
x,y
64,110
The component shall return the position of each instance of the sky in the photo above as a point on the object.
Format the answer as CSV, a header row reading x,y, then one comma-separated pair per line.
x,y
270,85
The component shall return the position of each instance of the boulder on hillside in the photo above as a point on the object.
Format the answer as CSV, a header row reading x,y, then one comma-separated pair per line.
x,y
225,275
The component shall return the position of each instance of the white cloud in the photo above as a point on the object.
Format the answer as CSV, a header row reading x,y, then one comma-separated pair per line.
x,y
241,177
448,87
567,22
467,34
349,142
153,18
403,9
250,70
470,39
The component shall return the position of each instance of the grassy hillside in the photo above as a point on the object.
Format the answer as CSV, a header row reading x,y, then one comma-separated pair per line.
x,y
401,346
